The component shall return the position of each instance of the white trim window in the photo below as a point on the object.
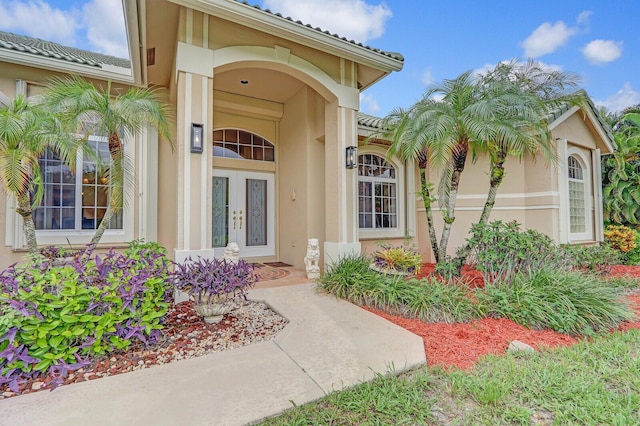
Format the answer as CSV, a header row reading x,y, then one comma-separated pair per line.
x,y
75,201
380,197
579,190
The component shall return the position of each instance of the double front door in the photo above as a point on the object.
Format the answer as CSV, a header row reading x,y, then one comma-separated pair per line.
x,y
243,212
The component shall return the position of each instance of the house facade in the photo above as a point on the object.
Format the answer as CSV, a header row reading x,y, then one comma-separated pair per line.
x,y
266,111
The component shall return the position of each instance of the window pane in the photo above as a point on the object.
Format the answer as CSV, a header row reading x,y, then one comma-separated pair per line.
x,y
240,144
377,187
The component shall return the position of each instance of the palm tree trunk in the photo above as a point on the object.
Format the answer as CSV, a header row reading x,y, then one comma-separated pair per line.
x,y
426,199
115,149
104,224
496,176
24,209
459,159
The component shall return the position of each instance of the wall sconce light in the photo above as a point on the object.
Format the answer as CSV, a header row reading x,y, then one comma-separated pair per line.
x,y
196,138
352,157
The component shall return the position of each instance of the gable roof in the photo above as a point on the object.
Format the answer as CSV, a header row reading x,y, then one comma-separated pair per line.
x,y
393,55
559,115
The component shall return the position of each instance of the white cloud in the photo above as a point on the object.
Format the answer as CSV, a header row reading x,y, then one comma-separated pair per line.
x,y
105,27
353,19
427,77
622,99
583,17
368,104
547,38
36,18
602,51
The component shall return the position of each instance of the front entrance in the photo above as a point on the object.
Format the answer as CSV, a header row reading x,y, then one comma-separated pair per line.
x,y
244,212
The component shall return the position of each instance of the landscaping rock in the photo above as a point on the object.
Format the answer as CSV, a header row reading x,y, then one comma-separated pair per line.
x,y
517,345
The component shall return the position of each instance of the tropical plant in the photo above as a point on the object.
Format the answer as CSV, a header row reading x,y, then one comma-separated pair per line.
x,y
26,132
104,111
399,259
620,238
621,173
55,318
440,129
214,281
567,302
522,96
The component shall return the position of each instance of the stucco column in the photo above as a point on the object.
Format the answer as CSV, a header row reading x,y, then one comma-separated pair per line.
x,y
194,106
341,198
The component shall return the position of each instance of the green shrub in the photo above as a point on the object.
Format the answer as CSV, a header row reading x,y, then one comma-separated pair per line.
x,y
501,249
567,302
347,276
632,257
429,300
595,258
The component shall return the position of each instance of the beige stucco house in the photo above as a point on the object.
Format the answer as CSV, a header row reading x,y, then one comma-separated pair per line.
x,y
266,110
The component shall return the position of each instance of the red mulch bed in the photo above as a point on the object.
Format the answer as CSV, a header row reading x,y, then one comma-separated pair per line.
x,y
461,345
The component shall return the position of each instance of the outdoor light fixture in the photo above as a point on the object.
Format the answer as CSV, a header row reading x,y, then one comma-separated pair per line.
x,y
352,156
196,138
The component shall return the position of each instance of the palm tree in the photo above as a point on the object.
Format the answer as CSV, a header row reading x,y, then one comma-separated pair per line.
x,y
26,132
522,97
103,111
440,129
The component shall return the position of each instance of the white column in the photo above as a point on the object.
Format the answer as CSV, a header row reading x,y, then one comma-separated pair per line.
x,y
563,189
596,160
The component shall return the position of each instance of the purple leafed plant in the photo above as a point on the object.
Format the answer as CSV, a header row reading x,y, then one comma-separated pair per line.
x,y
210,281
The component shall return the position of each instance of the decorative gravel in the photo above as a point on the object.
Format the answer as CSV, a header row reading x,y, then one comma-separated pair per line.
x,y
185,335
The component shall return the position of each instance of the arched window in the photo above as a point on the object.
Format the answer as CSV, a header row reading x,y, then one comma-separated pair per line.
x,y
377,193
240,144
577,196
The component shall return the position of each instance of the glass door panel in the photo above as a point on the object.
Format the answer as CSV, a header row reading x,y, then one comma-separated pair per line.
x,y
243,211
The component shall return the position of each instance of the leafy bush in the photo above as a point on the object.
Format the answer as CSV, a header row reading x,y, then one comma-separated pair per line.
x,y
632,257
499,250
402,259
594,258
53,318
620,237
567,302
209,281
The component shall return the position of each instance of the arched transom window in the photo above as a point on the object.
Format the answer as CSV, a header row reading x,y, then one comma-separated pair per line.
x,y
240,144
577,196
377,193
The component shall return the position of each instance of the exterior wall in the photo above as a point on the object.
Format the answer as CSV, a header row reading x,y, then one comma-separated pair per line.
x,y
144,194
534,191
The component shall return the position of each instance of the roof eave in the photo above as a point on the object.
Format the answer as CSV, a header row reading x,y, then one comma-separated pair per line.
x,y
281,27
609,143
43,62
135,38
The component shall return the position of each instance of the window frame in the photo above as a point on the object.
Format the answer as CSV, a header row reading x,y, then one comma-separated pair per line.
x,y
401,199
83,236
588,233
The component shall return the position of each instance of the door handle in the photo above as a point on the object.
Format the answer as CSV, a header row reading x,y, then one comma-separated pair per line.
x,y
240,219
234,220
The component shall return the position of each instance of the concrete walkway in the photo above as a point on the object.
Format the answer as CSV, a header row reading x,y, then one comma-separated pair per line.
x,y
328,345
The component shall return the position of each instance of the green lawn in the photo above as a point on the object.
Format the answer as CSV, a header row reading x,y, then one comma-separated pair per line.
x,y
593,382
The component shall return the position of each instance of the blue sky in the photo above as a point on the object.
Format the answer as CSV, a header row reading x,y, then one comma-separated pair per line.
x,y
597,40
